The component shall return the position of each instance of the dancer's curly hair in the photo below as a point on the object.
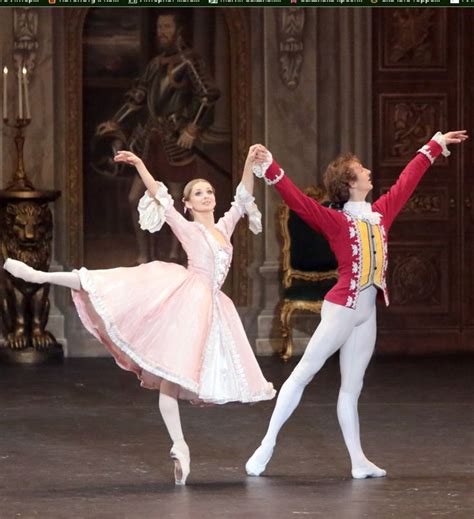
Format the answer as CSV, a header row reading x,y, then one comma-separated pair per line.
x,y
337,178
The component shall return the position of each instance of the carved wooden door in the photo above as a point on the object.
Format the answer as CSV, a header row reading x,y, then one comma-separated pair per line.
x,y
423,83
467,120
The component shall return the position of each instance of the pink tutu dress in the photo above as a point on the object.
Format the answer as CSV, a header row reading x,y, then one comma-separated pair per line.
x,y
163,321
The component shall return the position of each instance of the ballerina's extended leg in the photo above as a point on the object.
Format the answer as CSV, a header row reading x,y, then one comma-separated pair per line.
x,y
23,271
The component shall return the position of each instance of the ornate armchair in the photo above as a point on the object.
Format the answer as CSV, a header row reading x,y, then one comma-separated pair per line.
x,y
309,268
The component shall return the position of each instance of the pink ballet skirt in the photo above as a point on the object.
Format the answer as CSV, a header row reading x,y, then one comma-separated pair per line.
x,y
163,321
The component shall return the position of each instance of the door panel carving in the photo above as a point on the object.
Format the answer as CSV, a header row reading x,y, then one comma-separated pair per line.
x,y
422,83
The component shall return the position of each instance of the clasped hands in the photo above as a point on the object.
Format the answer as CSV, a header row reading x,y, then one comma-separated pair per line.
x,y
258,159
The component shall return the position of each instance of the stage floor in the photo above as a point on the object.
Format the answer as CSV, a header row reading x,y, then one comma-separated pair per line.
x,y
83,440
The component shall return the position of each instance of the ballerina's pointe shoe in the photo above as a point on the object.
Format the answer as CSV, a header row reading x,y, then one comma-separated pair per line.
x,y
257,463
22,270
180,455
369,470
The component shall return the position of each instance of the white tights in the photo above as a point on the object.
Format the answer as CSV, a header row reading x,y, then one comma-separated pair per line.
x,y
169,410
353,332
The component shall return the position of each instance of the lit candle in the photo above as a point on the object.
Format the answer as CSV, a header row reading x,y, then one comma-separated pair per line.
x,y
5,82
27,100
20,97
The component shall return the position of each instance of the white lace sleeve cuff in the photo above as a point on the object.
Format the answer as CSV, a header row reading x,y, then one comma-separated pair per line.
x,y
259,170
439,138
152,210
245,202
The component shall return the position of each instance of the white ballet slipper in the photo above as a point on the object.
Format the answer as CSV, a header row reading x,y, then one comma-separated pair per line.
x,y
369,470
22,270
259,460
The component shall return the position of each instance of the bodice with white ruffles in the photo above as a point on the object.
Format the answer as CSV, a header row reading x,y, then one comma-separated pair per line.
x,y
213,261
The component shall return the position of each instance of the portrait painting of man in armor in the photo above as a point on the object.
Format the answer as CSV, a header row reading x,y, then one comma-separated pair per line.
x,y
175,114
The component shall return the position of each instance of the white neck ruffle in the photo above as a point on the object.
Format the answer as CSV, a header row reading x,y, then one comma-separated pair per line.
x,y
362,211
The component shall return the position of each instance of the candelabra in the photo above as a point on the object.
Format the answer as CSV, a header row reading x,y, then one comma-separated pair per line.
x,y
20,180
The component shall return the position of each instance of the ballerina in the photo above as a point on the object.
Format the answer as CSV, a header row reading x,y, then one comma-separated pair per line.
x,y
358,236
173,326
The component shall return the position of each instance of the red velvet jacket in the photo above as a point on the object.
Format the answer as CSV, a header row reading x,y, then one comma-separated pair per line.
x,y
354,241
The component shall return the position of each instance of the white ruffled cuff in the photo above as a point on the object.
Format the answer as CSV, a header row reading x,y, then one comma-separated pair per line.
x,y
152,210
259,170
246,204
439,138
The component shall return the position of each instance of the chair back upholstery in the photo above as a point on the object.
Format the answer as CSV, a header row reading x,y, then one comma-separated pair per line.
x,y
306,253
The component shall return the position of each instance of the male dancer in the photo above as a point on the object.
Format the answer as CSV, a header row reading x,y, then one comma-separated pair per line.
x,y
358,236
